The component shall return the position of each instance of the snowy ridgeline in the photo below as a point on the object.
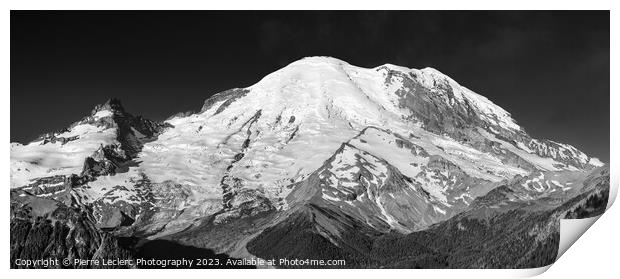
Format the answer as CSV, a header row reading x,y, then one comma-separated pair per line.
x,y
285,127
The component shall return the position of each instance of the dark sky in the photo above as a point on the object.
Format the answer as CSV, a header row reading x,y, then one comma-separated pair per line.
x,y
549,69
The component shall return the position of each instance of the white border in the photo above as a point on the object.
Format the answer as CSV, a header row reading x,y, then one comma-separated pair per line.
x,y
594,255
311,5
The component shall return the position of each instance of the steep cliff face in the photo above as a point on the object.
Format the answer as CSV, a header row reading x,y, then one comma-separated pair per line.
x,y
48,229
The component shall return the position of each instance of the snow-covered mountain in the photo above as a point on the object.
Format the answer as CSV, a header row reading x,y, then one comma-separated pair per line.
x,y
392,149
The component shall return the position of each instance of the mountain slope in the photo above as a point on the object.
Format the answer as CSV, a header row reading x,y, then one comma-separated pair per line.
x,y
333,147
501,229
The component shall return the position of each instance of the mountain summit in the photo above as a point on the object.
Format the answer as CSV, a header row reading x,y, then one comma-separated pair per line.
x,y
340,150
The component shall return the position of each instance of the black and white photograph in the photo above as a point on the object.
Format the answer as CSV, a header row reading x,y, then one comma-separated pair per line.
x,y
305,139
